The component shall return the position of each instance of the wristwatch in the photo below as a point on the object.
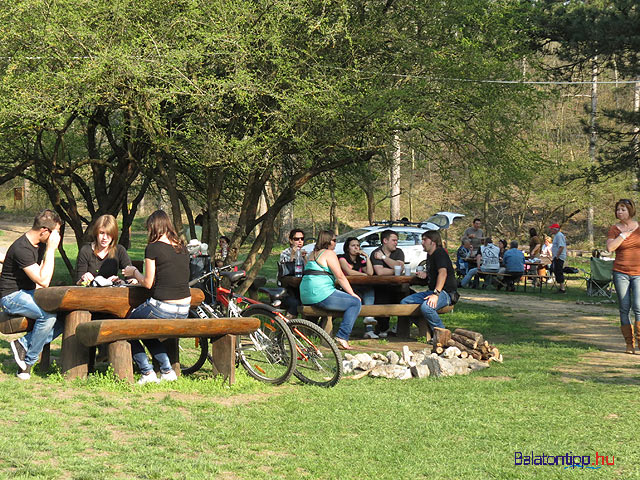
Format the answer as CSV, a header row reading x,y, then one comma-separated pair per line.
x,y
436,292
383,256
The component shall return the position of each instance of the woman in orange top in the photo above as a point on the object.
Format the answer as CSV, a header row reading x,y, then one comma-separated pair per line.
x,y
624,239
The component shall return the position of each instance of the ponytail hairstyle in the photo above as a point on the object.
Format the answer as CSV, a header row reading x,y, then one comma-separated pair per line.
x,y
159,224
324,240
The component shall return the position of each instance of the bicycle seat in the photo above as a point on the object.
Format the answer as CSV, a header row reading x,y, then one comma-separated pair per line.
x,y
274,293
234,277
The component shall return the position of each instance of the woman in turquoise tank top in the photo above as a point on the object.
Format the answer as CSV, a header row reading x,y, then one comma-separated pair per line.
x,y
318,286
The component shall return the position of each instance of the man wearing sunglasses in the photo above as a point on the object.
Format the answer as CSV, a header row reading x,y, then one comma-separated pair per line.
x,y
286,268
29,265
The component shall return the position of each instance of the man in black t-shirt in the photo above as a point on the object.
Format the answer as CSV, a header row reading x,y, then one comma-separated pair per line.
x,y
441,280
384,259
28,265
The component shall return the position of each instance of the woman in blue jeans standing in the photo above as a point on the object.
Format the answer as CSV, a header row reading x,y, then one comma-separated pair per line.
x,y
317,287
166,274
624,239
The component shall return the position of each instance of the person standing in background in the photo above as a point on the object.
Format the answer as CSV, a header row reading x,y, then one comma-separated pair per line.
x,y
558,256
624,239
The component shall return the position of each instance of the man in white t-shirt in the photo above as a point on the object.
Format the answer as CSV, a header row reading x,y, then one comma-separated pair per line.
x,y
488,261
559,255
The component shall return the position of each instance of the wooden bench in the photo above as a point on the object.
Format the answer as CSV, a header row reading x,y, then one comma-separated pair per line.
x,y
116,332
407,314
10,325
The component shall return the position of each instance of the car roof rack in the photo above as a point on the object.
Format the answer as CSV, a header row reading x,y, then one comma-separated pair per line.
x,y
391,223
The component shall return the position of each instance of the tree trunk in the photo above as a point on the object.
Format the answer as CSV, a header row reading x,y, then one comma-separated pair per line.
x,y
215,179
592,146
333,208
395,180
166,166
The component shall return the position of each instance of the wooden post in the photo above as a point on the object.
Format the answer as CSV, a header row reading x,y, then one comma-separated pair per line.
x,y
223,353
45,358
171,346
327,324
120,358
75,356
403,329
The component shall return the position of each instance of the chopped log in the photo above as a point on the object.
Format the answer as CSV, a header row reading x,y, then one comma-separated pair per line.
x,y
463,354
472,344
463,348
470,334
494,351
441,335
483,349
438,350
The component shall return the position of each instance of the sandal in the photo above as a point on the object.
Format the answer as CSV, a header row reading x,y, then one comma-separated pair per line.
x,y
343,344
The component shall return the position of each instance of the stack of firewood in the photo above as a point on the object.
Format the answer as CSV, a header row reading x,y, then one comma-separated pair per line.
x,y
471,344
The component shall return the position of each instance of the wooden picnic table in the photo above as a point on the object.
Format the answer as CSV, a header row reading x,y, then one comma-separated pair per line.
x,y
79,303
362,280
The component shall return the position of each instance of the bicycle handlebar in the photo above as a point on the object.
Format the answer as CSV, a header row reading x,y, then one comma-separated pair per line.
x,y
215,271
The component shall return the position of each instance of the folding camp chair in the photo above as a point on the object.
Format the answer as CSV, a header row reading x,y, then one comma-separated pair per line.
x,y
600,281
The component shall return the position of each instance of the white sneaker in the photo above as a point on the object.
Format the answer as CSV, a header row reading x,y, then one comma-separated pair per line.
x,y
170,376
369,321
370,334
383,334
24,374
149,378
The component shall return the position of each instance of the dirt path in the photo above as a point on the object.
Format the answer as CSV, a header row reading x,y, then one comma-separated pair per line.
x,y
593,324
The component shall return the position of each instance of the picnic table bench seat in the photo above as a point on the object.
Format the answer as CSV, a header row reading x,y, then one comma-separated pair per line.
x,y
407,314
10,325
116,332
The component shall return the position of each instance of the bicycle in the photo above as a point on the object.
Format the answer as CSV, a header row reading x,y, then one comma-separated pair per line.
x,y
317,358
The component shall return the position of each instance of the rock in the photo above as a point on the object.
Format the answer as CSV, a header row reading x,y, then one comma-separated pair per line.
x,y
391,371
363,357
460,365
406,354
379,356
439,366
475,365
392,357
371,364
347,366
451,352
402,362
418,358
420,371
348,356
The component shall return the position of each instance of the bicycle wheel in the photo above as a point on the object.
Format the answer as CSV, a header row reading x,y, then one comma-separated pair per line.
x,y
193,351
268,353
319,361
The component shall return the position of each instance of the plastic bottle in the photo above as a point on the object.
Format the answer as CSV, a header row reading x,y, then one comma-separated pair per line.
x,y
298,263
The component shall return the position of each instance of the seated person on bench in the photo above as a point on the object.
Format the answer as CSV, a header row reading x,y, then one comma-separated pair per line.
x,y
488,260
166,274
513,266
463,253
442,281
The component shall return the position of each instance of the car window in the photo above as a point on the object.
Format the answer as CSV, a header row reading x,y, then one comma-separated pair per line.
x,y
353,233
371,240
441,220
408,238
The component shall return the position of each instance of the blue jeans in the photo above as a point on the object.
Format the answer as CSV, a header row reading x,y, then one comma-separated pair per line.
x,y
471,273
366,294
155,346
628,289
430,314
342,302
45,329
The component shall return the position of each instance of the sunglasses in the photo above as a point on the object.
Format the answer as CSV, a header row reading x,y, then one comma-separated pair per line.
x,y
333,239
297,239
625,200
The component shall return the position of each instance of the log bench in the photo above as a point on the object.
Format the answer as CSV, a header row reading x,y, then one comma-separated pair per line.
x,y
115,334
407,314
10,325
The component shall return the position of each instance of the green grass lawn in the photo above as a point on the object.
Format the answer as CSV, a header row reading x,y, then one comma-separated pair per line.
x,y
448,428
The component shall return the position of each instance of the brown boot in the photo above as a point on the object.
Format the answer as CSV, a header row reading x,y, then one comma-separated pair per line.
x,y
637,334
627,333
